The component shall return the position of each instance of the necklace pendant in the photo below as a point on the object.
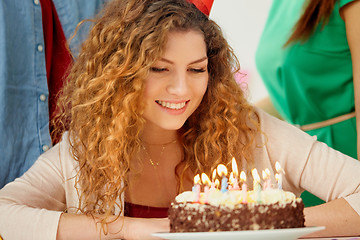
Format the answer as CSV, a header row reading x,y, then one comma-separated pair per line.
x,y
163,146
154,164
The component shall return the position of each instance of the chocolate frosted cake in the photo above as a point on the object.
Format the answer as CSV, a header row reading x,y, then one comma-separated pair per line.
x,y
235,210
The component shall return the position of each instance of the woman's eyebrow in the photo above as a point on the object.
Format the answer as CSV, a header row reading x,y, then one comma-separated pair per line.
x,y
196,61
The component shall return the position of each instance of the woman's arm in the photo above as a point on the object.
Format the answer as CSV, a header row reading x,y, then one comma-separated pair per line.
x,y
313,166
351,16
337,216
78,227
31,207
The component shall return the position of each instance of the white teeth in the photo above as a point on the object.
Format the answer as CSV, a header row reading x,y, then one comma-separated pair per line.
x,y
175,106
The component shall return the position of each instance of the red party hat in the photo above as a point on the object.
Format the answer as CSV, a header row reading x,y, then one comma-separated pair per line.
x,y
203,5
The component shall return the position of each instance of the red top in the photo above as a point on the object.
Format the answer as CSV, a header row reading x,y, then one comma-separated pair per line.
x,y
140,211
57,56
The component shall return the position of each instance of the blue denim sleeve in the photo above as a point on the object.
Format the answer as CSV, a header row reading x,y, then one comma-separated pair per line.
x,y
24,114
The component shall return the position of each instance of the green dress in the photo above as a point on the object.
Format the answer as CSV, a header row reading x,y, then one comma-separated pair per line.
x,y
309,82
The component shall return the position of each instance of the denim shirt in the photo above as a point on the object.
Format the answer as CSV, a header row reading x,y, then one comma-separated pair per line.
x,y
24,113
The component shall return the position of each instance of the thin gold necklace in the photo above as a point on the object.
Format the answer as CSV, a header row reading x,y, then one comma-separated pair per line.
x,y
163,146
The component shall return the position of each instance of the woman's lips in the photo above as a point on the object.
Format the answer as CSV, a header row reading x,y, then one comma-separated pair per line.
x,y
172,105
176,108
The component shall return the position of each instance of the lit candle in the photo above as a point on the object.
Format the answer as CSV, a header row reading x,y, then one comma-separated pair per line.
x,y
206,181
243,187
222,171
231,181
213,186
257,187
235,171
279,180
217,183
266,178
279,176
196,188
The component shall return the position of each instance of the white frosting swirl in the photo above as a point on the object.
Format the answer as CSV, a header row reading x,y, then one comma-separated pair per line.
x,y
233,197
187,196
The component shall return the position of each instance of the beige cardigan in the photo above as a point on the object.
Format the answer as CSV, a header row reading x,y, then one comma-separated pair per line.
x,y
30,207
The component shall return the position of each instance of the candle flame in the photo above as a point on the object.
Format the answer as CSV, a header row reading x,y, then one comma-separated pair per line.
x,y
277,176
255,175
234,167
205,179
243,176
222,170
278,168
266,174
217,183
231,178
214,174
197,179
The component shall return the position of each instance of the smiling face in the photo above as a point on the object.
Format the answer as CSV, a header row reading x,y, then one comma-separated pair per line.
x,y
177,82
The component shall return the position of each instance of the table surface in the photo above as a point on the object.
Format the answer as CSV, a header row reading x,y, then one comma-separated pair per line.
x,y
332,238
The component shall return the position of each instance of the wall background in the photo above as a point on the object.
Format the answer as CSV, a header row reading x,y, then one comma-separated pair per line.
x,y
242,22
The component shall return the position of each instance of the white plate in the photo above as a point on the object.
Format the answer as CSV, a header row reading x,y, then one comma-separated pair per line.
x,y
276,234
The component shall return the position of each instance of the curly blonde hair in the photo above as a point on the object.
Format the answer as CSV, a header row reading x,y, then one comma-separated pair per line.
x,y
102,104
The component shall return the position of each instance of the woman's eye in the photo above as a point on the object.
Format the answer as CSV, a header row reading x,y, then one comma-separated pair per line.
x,y
197,70
156,69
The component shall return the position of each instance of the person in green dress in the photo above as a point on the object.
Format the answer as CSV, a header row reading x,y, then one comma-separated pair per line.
x,y
309,59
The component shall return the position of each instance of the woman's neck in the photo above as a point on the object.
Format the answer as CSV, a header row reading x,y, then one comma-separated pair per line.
x,y
154,135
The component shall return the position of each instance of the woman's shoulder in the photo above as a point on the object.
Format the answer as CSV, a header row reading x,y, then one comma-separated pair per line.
x,y
342,3
61,148
60,157
281,138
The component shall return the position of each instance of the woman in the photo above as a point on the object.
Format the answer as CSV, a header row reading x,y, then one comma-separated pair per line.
x,y
151,101
309,59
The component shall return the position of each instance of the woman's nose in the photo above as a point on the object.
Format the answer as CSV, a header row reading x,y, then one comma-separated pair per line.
x,y
177,84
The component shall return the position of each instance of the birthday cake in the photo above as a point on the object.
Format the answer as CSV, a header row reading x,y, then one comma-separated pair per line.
x,y
234,208
229,211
